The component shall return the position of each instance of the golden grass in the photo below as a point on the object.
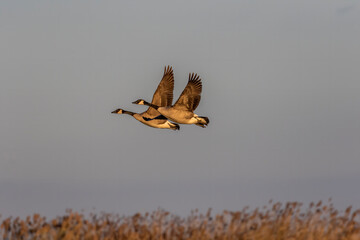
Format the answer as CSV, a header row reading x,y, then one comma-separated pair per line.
x,y
276,221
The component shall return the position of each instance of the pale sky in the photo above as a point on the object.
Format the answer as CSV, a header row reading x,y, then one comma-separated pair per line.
x,y
281,88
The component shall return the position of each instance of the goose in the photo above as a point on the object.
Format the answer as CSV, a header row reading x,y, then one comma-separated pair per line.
x,y
163,97
183,110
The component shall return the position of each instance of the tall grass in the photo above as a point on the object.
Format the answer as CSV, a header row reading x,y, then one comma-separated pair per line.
x,y
273,222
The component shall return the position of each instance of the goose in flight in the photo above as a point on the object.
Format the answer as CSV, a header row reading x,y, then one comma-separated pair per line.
x,y
183,110
163,97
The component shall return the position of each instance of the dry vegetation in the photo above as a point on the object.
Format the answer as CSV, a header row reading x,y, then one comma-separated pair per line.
x,y
275,221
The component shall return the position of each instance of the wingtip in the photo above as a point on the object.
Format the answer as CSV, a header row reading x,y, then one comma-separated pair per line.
x,y
168,69
194,77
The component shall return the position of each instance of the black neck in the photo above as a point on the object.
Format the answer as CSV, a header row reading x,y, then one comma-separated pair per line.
x,y
151,105
128,112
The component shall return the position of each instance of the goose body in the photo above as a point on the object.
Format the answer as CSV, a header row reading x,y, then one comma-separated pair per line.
x,y
162,97
183,110
178,115
155,122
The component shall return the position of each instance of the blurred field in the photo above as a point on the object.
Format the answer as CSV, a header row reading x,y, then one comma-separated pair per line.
x,y
276,221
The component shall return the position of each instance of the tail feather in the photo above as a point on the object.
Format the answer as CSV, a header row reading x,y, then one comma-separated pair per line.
x,y
204,120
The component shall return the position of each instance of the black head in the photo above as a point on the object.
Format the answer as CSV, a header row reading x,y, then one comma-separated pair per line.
x,y
118,111
139,102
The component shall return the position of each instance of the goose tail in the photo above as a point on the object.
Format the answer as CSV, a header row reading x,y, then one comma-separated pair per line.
x,y
174,126
203,120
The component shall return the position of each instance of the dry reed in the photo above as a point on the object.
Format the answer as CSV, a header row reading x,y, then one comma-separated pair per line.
x,y
273,222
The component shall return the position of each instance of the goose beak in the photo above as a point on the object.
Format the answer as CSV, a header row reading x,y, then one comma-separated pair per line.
x,y
134,102
116,111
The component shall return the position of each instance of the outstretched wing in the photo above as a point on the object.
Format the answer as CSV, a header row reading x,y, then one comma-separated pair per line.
x,y
163,95
190,97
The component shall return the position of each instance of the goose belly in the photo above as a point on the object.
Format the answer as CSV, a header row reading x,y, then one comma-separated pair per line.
x,y
159,124
156,123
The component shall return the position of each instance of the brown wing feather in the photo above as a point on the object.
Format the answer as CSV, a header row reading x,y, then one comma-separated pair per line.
x,y
190,97
163,95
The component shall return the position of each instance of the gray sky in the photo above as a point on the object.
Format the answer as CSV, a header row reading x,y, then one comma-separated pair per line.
x,y
280,86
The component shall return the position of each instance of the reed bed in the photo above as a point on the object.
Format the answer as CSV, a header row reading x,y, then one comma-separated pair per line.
x,y
275,221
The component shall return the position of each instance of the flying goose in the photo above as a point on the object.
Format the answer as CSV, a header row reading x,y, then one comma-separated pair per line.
x,y
183,110
163,97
